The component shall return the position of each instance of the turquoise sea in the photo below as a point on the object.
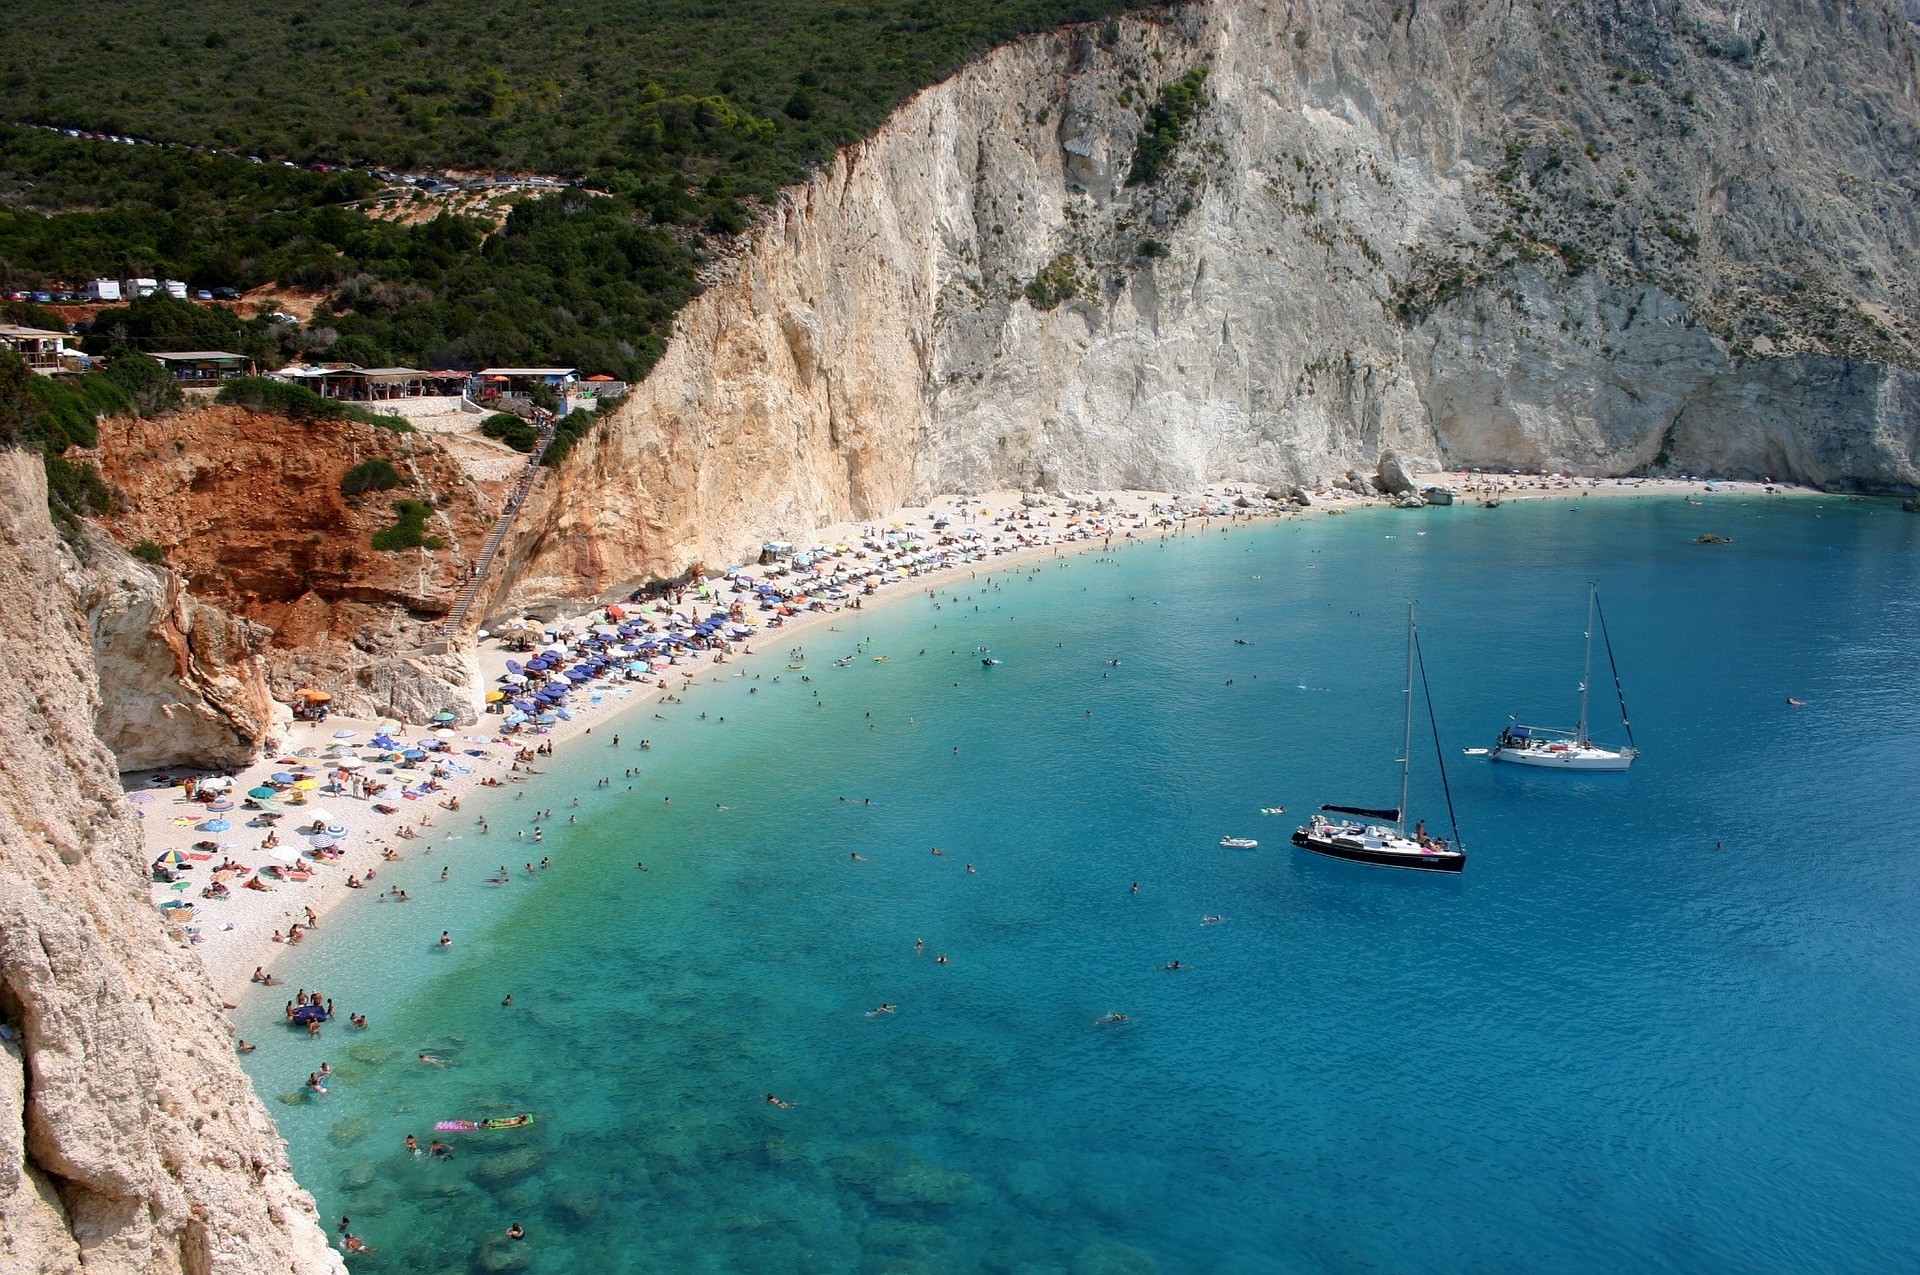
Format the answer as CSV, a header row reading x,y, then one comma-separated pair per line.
x,y
1665,1021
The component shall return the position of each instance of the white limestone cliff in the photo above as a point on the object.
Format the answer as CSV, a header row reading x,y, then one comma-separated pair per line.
x,y
131,1143
1659,235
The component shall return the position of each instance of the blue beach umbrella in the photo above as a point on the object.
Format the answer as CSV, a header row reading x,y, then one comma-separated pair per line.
x,y
546,719
282,777
215,825
413,754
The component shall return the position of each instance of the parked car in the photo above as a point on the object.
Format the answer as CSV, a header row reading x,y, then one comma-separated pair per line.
x,y
226,294
44,298
202,294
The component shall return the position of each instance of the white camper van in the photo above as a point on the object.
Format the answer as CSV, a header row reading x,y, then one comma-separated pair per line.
x,y
142,287
103,290
176,289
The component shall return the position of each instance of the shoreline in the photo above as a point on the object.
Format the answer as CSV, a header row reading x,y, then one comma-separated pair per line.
x,y
235,935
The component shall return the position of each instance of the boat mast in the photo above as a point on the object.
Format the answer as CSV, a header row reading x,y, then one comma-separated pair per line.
x,y
1406,742
1586,669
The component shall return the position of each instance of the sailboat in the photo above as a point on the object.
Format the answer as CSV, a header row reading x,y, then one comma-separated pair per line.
x,y
1386,844
1572,749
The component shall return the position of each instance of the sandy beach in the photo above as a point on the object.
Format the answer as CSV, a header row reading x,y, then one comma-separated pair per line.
x,y
235,934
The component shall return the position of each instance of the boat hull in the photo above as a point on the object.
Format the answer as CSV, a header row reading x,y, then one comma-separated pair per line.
x,y
1355,852
1571,759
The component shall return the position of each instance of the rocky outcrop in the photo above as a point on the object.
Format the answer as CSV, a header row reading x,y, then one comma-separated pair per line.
x,y
130,1141
181,680
1660,235
247,510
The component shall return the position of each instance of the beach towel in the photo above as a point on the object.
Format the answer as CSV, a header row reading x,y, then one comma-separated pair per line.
x,y
184,821
195,854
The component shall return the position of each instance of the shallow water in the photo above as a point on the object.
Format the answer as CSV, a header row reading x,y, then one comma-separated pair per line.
x,y
1664,1021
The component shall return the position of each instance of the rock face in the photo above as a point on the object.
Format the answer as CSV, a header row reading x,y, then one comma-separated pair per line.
x,y
181,680
1651,236
130,1140
248,508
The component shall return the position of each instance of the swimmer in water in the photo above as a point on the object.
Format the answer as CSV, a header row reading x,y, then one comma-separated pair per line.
x,y
775,1101
1173,965
431,1061
1212,920
1110,1018
858,857
883,1009
919,945
446,939
413,1144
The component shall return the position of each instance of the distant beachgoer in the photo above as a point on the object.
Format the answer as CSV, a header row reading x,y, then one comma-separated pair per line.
x,y
508,1002
1110,1018
919,945
431,1061
313,1083
413,1144
446,939
246,1047
516,1232
774,1101
858,857
1135,889
1173,965
439,1150
940,959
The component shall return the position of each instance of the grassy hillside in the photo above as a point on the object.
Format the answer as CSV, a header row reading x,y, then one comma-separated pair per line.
x,y
688,115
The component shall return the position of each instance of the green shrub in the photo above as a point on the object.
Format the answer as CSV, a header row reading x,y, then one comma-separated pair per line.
x,y
1058,281
148,385
377,474
150,553
570,429
409,532
298,403
511,430
1179,102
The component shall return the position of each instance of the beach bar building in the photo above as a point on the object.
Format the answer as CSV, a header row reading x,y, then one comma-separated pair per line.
x,y
43,350
204,367
501,382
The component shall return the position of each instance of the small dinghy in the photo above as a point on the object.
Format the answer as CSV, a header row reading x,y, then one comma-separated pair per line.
x,y
1273,810
1239,843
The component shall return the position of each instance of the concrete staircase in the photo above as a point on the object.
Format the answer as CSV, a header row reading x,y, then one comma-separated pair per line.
x,y
456,619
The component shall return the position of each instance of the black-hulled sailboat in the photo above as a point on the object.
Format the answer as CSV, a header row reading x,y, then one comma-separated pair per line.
x,y
1385,844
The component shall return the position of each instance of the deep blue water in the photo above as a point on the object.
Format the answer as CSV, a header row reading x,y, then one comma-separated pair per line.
x,y
1664,1021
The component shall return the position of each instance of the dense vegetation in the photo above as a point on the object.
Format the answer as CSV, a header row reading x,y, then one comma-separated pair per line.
x,y
52,415
511,430
686,114
648,87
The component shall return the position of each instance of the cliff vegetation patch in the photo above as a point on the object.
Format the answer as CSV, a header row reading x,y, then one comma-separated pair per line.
x,y
409,531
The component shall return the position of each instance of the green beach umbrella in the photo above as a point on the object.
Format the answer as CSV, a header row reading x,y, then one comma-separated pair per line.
x,y
262,792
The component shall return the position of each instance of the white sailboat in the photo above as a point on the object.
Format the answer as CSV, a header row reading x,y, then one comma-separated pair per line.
x,y
1572,749
1386,844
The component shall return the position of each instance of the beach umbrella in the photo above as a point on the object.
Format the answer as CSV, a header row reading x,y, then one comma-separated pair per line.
x,y
349,763
336,830
444,716
388,726
315,814
546,719
263,791
306,785
516,717
219,806
284,854
218,783
172,858
215,825
444,733
343,734
383,741
494,697
282,777
270,807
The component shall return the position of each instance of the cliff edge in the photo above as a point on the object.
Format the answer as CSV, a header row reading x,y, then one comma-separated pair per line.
x,y
1271,241
130,1140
